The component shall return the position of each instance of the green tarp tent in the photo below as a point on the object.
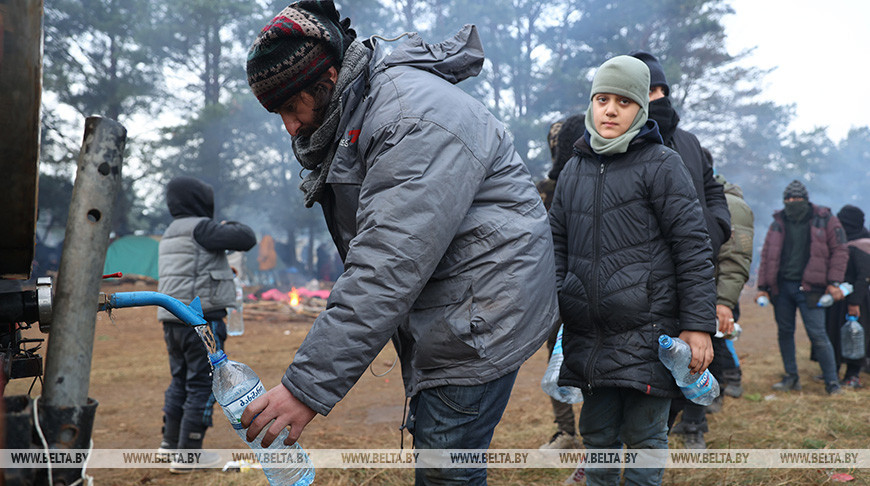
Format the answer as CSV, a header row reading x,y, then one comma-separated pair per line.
x,y
133,255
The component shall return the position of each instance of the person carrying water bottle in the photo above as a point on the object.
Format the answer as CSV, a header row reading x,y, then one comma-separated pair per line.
x,y
804,256
192,262
446,247
633,262
856,303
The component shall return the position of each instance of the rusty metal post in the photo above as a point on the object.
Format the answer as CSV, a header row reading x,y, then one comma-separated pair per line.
x,y
71,346
20,92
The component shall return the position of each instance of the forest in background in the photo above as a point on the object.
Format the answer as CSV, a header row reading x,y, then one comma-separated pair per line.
x,y
173,73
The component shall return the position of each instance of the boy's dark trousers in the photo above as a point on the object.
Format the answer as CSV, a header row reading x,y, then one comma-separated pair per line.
x,y
188,400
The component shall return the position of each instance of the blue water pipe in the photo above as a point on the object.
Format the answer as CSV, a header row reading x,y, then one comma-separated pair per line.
x,y
190,314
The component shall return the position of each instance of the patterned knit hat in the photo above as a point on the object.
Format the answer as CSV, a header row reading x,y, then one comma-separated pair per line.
x,y
795,188
295,49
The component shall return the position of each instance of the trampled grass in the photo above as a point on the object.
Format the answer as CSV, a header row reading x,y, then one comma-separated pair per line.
x,y
129,375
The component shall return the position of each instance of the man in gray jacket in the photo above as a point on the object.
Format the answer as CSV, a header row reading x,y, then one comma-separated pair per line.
x,y
445,241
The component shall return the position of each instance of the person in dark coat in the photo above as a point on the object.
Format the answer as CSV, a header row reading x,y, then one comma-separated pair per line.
x,y
804,256
856,303
700,166
699,162
560,138
633,262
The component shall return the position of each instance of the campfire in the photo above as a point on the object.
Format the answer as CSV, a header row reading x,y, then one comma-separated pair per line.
x,y
302,301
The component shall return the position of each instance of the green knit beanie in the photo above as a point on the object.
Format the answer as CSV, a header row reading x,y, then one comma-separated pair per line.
x,y
625,76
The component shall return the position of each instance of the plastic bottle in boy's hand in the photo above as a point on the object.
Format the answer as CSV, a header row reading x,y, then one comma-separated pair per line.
x,y
235,385
852,338
675,354
565,394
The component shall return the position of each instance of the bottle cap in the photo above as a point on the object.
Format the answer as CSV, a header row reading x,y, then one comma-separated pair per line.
x,y
665,341
217,357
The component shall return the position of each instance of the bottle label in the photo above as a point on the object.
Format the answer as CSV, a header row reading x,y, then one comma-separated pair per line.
x,y
235,408
846,288
698,388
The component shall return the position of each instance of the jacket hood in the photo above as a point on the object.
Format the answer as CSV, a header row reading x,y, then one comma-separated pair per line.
x,y
188,196
455,59
863,242
733,189
650,132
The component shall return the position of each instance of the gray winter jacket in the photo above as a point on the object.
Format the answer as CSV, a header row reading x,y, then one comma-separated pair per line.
x,y
446,242
188,270
192,254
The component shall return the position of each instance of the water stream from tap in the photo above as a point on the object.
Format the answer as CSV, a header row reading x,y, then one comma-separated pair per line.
x,y
207,336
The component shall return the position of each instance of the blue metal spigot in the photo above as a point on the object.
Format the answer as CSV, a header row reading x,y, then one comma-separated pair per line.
x,y
190,314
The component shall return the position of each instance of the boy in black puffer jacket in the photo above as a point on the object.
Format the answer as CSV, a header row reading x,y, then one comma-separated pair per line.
x,y
633,261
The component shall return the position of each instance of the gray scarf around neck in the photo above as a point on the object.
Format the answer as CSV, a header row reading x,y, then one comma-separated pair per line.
x,y
618,145
315,153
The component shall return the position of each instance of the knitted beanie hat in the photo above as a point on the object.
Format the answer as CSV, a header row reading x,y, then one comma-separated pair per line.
x,y
656,72
852,219
291,53
624,76
795,188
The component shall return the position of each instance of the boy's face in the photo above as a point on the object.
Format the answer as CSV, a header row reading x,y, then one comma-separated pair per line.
x,y
613,114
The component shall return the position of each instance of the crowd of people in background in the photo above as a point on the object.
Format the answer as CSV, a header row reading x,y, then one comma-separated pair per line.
x,y
807,252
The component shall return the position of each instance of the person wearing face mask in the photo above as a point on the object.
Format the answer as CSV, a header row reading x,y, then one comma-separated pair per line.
x,y
804,256
717,218
700,165
858,302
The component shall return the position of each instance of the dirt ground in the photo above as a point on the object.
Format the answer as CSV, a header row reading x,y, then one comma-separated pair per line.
x,y
130,373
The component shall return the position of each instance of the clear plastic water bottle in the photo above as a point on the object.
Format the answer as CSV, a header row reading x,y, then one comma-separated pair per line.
x,y
675,354
235,321
762,301
235,385
565,394
827,300
733,335
852,339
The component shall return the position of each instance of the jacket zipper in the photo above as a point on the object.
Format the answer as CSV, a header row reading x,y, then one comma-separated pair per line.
x,y
596,253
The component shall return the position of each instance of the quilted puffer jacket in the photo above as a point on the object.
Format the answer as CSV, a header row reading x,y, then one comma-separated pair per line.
x,y
828,253
633,261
